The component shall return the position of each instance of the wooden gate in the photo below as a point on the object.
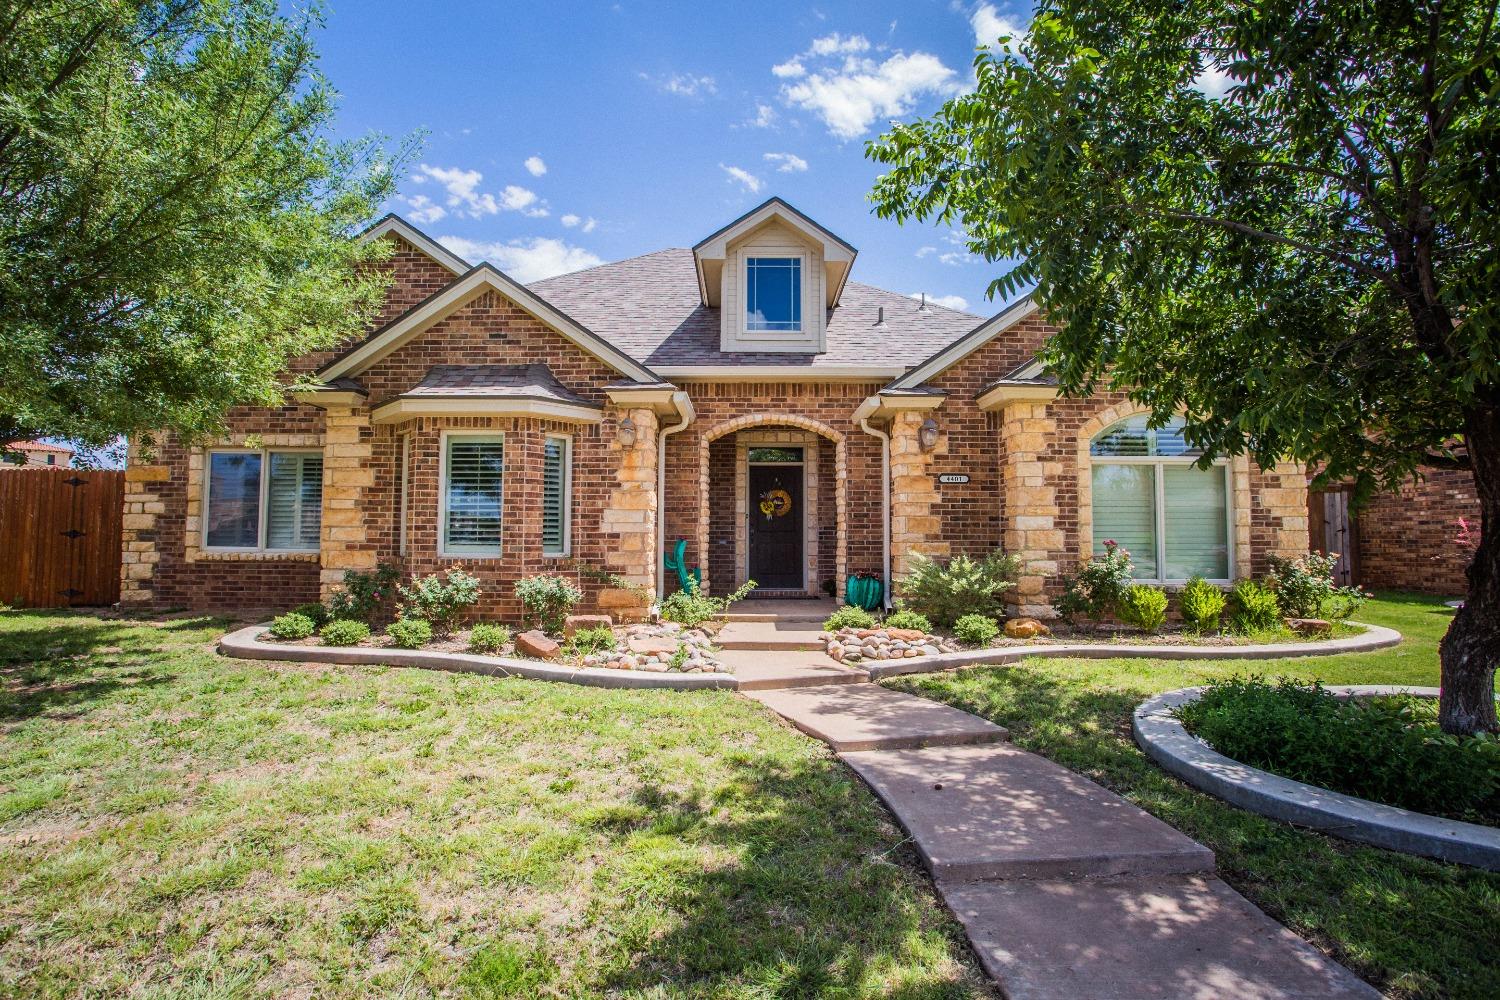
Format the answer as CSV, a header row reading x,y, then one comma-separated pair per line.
x,y
1331,529
60,537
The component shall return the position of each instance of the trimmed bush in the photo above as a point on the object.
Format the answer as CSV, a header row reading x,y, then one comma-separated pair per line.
x,y
1253,608
1099,585
486,638
316,612
975,630
946,591
849,617
548,600
293,626
1202,605
1386,749
343,632
1145,607
906,618
592,640
409,633
441,600
365,595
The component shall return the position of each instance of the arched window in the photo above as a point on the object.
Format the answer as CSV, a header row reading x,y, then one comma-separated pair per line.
x,y
1150,498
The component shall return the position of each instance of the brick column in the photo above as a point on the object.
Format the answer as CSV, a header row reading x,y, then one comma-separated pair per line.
x,y
143,505
629,520
914,528
347,475
1030,503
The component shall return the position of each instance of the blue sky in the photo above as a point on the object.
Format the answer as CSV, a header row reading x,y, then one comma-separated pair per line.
x,y
560,136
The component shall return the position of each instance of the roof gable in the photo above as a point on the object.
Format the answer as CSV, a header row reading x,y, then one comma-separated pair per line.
x,y
393,224
966,345
710,252
449,299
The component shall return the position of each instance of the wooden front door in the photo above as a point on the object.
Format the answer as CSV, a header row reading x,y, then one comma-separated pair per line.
x,y
776,537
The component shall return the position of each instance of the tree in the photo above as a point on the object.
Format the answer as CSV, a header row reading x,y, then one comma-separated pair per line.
x,y
1304,264
174,219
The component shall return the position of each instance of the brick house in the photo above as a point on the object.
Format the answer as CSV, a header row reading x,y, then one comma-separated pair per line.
x,y
746,395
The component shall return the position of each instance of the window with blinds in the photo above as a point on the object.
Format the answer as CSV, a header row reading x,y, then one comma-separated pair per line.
x,y
270,500
473,476
1151,499
557,495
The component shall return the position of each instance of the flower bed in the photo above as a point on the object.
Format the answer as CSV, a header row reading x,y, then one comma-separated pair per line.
x,y
659,648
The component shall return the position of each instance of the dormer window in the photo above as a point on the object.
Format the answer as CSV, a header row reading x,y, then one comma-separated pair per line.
x,y
773,294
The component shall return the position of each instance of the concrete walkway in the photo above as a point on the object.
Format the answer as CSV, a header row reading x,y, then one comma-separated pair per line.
x,y
1066,890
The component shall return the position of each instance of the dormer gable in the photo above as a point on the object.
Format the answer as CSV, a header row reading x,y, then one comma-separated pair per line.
x,y
774,274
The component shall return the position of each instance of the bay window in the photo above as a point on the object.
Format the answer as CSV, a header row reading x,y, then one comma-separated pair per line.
x,y
557,494
1150,498
472,484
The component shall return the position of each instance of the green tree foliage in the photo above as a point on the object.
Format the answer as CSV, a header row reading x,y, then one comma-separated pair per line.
x,y
1304,265
175,221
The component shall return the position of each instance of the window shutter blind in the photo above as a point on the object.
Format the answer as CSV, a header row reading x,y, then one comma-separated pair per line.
x,y
294,500
1125,511
554,496
1197,534
472,495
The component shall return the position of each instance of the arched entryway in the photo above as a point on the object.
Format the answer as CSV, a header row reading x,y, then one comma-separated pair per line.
x,y
767,484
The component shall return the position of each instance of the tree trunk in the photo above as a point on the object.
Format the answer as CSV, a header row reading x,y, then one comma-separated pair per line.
x,y
1471,649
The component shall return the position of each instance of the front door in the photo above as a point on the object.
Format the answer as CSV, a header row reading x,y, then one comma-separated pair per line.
x,y
775,511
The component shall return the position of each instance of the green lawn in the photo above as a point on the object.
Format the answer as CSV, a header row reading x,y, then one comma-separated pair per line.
x,y
1415,928
174,824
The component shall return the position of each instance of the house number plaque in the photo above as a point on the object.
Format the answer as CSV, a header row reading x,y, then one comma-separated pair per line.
x,y
953,477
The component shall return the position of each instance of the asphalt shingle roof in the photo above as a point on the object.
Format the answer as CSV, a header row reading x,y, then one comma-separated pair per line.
x,y
534,381
649,308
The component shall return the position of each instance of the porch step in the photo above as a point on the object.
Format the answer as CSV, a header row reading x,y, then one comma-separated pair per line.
x,y
770,635
759,670
804,610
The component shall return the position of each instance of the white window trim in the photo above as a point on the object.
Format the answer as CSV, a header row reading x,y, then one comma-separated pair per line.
x,y
746,257
442,525
567,496
1160,463
262,525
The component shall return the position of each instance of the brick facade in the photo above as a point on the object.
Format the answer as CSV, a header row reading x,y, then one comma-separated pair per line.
x,y
1027,465
1407,540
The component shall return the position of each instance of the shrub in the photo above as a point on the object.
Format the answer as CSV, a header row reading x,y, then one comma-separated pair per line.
x,y
486,638
592,640
344,632
364,595
315,611
548,600
409,633
849,617
293,626
1301,584
946,591
1386,749
1202,605
1099,586
692,607
441,600
975,630
1145,607
1253,607
906,618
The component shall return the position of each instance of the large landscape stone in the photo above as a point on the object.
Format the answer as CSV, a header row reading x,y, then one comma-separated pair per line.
x,y
573,623
537,644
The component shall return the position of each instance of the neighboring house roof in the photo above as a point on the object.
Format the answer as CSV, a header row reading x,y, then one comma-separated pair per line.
x,y
534,381
394,224
650,308
39,446
451,297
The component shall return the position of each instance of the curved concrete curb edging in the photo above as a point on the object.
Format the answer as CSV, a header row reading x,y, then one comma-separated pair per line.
x,y
246,644
1167,741
1374,637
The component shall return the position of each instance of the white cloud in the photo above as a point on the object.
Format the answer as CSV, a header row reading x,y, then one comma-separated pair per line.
x,y
536,166
683,84
746,179
463,196
926,251
790,70
787,163
571,221
589,224
423,209
518,199
990,25
765,116
850,97
946,301
526,260
836,44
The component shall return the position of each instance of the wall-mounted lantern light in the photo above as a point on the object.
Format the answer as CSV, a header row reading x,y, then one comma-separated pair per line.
x,y
625,433
927,434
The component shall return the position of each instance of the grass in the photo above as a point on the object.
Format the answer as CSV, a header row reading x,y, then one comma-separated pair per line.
x,y
1414,928
176,824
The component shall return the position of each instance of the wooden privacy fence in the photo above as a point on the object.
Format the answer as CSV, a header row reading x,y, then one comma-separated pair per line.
x,y
60,537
